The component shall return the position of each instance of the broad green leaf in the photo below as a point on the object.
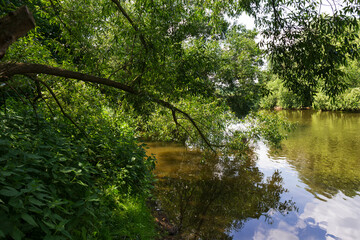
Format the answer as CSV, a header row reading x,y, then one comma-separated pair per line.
x,y
9,192
16,203
49,224
17,234
36,202
35,209
29,219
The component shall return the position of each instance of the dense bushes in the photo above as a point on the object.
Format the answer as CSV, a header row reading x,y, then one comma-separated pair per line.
x,y
55,185
348,101
279,96
282,97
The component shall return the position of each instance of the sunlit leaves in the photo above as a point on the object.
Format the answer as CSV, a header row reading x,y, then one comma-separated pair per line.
x,y
307,47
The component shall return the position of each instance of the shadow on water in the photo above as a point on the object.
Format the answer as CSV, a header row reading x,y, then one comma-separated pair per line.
x,y
208,197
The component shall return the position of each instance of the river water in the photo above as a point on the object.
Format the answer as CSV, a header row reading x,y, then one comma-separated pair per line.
x,y
310,189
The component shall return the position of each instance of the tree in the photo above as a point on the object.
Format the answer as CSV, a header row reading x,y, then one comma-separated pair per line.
x,y
162,51
308,46
154,50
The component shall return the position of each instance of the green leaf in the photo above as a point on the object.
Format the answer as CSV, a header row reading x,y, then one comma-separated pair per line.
x,y
44,228
36,202
93,198
6,174
17,234
50,225
16,203
2,235
35,210
9,192
29,219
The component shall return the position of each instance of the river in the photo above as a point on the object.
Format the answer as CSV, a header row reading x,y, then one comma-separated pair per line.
x,y
309,189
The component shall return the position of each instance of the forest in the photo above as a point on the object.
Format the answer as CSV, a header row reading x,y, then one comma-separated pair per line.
x,y
90,81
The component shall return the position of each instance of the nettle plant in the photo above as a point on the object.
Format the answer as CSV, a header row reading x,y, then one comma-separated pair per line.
x,y
54,185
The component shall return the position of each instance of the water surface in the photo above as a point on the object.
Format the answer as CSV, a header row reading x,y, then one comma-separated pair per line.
x,y
307,190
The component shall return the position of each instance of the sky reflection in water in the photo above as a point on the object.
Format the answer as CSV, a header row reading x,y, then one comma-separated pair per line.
x,y
318,217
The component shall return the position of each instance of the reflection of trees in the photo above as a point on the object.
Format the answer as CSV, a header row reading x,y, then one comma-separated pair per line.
x,y
325,151
223,194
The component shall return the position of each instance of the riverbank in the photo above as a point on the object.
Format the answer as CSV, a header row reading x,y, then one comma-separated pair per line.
x,y
167,230
279,108
282,97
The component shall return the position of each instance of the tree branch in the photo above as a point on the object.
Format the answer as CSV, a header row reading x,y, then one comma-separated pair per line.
x,y
122,10
7,70
60,106
186,115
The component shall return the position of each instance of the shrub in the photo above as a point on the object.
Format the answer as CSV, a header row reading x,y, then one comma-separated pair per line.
x,y
350,100
55,186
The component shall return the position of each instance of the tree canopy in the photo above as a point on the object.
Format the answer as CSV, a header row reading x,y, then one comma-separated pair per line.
x,y
161,51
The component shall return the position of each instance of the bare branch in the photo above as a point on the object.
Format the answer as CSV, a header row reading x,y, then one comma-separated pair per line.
x,y
51,111
17,93
37,85
186,115
174,117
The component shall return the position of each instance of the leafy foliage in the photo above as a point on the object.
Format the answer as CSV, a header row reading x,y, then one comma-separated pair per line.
x,y
210,114
60,173
53,187
281,96
308,47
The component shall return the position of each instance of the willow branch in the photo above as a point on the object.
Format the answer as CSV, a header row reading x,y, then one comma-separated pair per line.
x,y
57,14
37,85
51,111
60,106
7,70
122,10
186,115
17,93
174,117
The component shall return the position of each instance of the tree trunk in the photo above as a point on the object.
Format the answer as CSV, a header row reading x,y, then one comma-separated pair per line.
x,y
13,26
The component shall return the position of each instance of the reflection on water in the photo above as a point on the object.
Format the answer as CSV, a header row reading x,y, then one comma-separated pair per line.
x,y
325,150
208,197
230,198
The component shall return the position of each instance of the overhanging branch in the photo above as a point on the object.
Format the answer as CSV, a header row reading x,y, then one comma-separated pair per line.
x,y
22,21
7,70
